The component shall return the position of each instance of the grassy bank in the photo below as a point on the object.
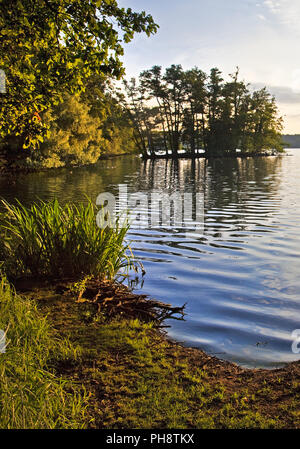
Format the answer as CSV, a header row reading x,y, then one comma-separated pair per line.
x,y
32,392
136,378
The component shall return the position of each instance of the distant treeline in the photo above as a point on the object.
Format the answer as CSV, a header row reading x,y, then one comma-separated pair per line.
x,y
189,110
293,140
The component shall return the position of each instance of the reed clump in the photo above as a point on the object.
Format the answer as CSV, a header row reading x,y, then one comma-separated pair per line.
x,y
48,239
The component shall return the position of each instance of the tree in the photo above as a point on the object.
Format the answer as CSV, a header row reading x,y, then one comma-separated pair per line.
x,y
215,104
84,127
194,112
137,113
50,47
75,137
200,111
151,82
174,88
168,91
265,125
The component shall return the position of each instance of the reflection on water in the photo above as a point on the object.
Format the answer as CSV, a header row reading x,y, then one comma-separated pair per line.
x,y
239,275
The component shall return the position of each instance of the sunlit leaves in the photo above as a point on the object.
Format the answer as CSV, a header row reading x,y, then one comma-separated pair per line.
x,y
49,47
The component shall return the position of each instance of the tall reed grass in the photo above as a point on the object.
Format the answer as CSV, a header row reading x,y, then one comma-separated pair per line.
x,y
61,241
32,396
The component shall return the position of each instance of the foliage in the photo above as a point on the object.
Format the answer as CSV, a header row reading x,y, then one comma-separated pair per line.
x,y
50,47
80,129
75,137
31,394
106,103
47,239
198,111
150,382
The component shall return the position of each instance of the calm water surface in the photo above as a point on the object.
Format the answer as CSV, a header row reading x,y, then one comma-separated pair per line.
x,y
240,276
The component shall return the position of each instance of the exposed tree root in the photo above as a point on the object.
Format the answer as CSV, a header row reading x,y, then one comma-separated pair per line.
x,y
113,299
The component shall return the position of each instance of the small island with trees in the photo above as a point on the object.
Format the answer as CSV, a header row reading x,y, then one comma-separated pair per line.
x,y
189,113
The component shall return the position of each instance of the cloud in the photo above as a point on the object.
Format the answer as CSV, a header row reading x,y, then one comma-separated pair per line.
x,y
282,94
286,11
274,6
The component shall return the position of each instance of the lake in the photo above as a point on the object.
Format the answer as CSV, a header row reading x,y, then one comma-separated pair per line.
x,y
237,272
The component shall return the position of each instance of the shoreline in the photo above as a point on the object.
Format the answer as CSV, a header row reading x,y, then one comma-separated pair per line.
x,y
126,361
212,156
27,170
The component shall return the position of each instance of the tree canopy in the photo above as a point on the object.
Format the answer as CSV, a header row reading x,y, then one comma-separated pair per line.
x,y
52,47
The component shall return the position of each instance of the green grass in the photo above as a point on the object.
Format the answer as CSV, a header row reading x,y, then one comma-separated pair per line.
x,y
48,239
137,379
149,386
32,395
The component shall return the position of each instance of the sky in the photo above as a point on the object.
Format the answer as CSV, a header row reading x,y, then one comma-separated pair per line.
x,y
261,37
